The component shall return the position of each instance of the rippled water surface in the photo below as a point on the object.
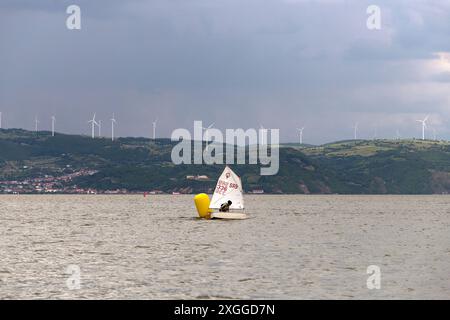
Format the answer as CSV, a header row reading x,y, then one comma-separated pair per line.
x,y
293,247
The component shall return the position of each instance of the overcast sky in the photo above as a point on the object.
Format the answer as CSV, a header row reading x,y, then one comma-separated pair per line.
x,y
238,63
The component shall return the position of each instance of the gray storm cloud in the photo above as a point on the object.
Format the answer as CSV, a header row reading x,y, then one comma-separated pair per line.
x,y
282,64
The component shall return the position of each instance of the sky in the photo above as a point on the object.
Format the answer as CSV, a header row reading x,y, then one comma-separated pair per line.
x,y
238,63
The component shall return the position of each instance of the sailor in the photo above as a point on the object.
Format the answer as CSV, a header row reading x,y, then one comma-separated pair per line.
x,y
225,207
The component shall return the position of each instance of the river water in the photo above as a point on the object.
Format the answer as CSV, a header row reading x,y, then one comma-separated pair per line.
x,y
292,247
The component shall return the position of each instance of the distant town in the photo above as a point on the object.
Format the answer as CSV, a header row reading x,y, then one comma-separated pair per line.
x,y
49,184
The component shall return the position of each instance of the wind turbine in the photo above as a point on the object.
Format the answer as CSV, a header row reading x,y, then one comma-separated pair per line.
x,y
113,121
301,134
36,122
53,125
424,125
206,132
262,134
434,134
355,128
93,123
1,120
397,135
154,128
99,128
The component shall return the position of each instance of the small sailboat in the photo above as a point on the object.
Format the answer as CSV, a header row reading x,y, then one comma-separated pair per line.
x,y
228,188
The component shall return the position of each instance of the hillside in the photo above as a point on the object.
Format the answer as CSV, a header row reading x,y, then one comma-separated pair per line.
x,y
31,162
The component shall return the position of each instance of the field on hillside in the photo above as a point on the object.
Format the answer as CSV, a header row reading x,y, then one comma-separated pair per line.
x,y
140,164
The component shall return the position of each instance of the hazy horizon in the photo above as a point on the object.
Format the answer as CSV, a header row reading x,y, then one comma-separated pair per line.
x,y
88,135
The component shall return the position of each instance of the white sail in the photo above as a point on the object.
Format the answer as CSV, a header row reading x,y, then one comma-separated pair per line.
x,y
229,187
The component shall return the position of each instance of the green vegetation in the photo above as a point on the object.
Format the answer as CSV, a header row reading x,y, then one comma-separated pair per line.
x,y
139,164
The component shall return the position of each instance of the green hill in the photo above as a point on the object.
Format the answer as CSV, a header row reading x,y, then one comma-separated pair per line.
x,y
139,164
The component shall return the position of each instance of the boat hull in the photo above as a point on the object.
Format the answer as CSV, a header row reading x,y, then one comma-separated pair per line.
x,y
228,215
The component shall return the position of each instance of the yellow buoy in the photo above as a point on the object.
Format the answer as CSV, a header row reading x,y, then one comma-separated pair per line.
x,y
202,204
